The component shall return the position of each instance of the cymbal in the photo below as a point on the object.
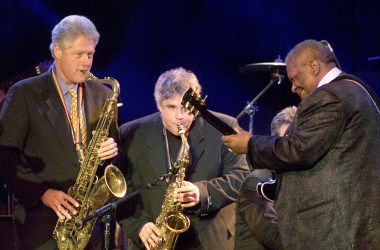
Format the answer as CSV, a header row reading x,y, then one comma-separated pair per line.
x,y
265,67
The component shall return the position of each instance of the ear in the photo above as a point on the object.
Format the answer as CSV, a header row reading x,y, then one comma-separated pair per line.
x,y
159,107
316,66
57,51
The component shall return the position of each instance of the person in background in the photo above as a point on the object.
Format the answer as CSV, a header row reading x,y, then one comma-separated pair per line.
x,y
329,195
2,98
213,178
38,153
256,219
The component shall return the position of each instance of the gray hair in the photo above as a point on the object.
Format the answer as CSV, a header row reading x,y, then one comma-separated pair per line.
x,y
69,29
175,81
285,116
310,50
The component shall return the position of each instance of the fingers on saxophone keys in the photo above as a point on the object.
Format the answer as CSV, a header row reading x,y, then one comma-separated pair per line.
x,y
65,212
62,213
151,243
69,207
146,244
175,198
155,238
60,216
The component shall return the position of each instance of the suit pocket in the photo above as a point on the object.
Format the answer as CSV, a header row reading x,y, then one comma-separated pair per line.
x,y
318,219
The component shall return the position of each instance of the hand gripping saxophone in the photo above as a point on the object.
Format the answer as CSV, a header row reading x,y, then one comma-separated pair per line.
x,y
89,193
171,220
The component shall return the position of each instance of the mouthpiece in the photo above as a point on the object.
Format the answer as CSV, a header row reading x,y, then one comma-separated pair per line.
x,y
89,76
181,130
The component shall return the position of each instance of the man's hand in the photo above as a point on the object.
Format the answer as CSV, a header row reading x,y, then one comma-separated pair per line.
x,y
188,195
237,143
60,202
108,149
150,235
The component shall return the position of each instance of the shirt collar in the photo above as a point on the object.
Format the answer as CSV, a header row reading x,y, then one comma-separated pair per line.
x,y
64,87
331,75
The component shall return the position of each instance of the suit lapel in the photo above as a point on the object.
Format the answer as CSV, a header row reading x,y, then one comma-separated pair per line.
x,y
156,151
56,116
92,107
196,142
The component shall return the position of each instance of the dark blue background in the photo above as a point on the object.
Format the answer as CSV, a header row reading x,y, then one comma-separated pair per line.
x,y
141,39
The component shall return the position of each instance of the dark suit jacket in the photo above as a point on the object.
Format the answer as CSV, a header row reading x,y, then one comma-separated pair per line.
x,y
37,150
329,196
256,221
217,173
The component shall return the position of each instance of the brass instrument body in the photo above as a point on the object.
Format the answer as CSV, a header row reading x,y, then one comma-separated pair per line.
x,y
89,193
172,221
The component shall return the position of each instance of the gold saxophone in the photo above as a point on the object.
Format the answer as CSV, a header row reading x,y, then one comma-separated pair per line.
x,y
171,220
91,194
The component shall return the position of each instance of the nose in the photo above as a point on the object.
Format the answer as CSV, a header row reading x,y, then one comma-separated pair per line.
x,y
87,59
179,114
294,88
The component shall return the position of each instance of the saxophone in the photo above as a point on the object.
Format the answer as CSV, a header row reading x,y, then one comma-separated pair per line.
x,y
89,192
171,220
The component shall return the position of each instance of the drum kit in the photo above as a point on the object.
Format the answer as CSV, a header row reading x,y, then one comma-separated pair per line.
x,y
276,69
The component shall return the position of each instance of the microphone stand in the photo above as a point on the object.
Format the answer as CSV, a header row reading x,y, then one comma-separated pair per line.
x,y
106,210
251,107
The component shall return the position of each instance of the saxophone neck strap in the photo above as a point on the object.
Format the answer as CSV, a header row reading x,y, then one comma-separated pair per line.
x,y
169,161
75,133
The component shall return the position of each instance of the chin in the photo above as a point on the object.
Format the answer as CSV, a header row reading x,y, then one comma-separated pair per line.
x,y
81,79
173,130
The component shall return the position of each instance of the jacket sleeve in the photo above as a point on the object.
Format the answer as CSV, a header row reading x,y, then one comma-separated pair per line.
x,y
14,172
257,214
222,190
218,192
321,115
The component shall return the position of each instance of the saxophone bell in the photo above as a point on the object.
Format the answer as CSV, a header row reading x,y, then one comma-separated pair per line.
x,y
177,222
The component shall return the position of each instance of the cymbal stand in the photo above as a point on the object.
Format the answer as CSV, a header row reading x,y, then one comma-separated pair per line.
x,y
252,107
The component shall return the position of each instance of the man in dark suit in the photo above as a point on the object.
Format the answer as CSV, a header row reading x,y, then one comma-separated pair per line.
x,y
39,157
212,179
330,161
256,224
